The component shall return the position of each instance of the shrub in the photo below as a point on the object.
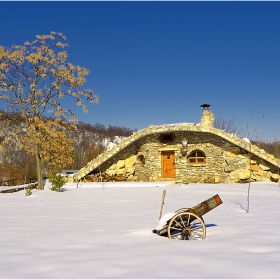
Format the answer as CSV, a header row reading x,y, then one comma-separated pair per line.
x,y
57,181
28,190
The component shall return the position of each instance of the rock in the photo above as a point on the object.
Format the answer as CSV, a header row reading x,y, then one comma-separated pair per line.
x,y
120,178
274,177
239,174
121,171
110,172
130,162
229,154
233,151
233,167
263,167
244,156
209,180
120,164
255,167
130,171
112,167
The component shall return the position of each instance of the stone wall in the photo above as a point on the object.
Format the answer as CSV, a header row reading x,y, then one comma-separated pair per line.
x,y
225,162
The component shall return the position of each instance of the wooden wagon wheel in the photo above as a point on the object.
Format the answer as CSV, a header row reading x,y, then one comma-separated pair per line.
x,y
181,210
186,226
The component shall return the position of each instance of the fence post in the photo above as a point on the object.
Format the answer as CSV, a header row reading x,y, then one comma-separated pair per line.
x,y
162,203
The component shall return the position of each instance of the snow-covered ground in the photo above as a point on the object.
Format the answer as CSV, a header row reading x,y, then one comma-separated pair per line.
x,y
105,231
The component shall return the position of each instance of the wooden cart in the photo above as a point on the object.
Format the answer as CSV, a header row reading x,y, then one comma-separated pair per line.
x,y
187,223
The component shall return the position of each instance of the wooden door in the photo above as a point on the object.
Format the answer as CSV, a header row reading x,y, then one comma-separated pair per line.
x,y
168,164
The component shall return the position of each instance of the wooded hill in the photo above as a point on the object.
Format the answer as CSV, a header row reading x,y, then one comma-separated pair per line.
x,y
89,141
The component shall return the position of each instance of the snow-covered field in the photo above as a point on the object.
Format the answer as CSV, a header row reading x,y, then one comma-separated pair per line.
x,y
105,231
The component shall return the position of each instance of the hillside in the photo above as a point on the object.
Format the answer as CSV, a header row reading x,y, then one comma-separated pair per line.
x,y
89,141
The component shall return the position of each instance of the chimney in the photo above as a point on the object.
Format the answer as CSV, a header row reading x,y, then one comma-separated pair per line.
x,y
207,118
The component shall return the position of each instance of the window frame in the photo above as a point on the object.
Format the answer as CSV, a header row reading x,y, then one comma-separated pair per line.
x,y
196,158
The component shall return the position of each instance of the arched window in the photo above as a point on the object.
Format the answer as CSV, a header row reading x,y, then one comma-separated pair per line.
x,y
196,157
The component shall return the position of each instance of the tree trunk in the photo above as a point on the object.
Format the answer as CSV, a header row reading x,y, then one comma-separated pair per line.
x,y
39,167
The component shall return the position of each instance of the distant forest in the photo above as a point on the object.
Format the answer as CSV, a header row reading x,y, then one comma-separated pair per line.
x,y
110,131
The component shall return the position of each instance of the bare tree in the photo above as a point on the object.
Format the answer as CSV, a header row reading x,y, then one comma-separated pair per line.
x,y
227,125
254,135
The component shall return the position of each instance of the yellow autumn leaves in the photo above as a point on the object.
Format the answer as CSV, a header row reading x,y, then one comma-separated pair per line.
x,y
56,149
43,75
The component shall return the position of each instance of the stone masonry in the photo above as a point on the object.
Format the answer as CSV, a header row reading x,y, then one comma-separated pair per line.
x,y
228,158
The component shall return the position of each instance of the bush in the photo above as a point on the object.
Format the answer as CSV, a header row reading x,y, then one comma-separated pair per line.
x,y
28,190
57,181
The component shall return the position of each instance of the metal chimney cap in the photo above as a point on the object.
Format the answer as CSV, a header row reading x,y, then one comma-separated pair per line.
x,y
204,106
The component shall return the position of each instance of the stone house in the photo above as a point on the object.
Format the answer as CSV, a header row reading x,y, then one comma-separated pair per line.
x,y
185,153
69,173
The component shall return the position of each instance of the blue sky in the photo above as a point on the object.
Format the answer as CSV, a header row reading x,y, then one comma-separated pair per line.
x,y
157,62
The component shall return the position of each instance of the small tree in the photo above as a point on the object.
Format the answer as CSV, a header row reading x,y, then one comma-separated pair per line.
x,y
251,136
34,80
57,181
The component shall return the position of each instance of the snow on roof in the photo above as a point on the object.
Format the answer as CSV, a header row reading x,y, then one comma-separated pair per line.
x,y
246,139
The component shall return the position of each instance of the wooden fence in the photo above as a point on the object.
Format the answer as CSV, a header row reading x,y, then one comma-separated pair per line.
x,y
17,181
